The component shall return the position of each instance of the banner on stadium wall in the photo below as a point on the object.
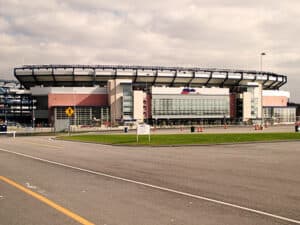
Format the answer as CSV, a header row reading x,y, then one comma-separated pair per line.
x,y
186,91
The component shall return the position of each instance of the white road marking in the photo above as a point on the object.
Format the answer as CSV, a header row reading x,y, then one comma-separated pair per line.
x,y
158,187
43,145
30,186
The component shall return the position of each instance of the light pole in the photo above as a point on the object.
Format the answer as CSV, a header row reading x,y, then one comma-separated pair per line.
x,y
261,60
261,67
5,105
33,113
74,105
146,114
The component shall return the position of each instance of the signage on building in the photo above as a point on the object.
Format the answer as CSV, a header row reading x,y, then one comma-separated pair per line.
x,y
186,91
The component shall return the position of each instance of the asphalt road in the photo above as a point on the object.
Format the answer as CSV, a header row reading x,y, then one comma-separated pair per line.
x,y
224,184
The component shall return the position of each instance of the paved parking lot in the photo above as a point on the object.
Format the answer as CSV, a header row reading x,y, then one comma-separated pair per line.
x,y
224,184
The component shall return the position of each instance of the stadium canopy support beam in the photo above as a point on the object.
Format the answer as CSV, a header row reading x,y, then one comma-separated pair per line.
x,y
225,79
240,80
34,77
275,81
135,76
284,80
255,78
208,80
53,77
190,81
115,73
155,77
94,76
73,76
174,78
278,85
266,80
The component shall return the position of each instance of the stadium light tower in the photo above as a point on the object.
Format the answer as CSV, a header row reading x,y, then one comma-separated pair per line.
x,y
146,114
261,61
261,68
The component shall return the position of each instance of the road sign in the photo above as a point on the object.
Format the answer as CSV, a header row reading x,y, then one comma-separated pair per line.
x,y
142,129
69,111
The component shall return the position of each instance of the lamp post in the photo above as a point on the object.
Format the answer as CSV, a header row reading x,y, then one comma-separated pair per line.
x,y
261,68
74,105
33,113
146,114
261,60
5,105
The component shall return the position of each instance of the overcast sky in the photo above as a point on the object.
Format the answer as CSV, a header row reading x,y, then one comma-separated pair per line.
x,y
204,33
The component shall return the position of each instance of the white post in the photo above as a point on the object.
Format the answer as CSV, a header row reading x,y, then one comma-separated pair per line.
x,y
69,127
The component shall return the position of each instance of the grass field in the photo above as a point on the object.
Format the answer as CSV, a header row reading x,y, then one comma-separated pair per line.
x,y
182,139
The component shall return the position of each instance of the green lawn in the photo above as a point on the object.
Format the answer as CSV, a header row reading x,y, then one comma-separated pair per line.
x,y
182,139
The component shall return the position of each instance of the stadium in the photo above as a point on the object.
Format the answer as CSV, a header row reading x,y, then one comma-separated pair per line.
x,y
117,95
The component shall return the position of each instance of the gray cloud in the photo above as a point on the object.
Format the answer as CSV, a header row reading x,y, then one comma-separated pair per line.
x,y
205,33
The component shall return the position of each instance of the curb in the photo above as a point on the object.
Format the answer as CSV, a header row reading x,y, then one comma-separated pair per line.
x,y
185,145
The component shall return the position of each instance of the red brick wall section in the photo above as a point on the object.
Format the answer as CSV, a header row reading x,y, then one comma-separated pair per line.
x,y
77,99
147,106
232,105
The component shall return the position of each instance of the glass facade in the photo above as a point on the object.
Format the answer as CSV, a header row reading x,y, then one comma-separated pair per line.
x,y
16,106
254,101
280,114
127,102
197,106
84,115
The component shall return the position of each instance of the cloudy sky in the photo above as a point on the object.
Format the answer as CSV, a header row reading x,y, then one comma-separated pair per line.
x,y
204,33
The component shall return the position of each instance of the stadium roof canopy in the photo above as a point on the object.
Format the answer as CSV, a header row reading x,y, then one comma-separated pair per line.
x,y
90,75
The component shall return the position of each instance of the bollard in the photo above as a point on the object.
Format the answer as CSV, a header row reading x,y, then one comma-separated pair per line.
x,y
125,129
